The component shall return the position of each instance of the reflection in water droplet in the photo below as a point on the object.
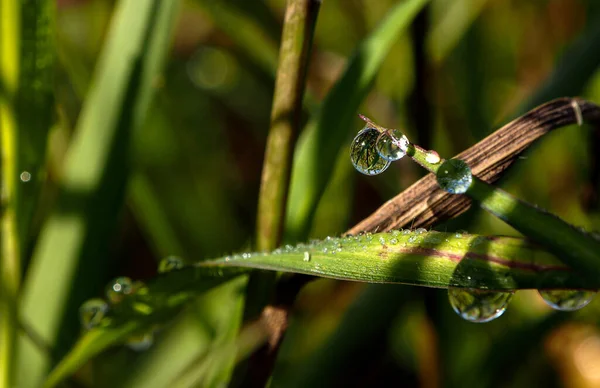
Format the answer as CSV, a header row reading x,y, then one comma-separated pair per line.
x,y
477,305
392,145
567,300
25,176
306,256
118,289
170,263
432,157
363,154
91,313
140,343
454,176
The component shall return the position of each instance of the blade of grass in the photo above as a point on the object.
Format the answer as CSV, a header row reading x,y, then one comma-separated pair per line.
x,y
577,248
321,141
93,183
26,106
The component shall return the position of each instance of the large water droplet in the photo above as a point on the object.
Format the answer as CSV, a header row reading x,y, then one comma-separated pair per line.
x,y
363,154
454,176
92,312
170,263
140,343
118,289
567,300
478,305
392,145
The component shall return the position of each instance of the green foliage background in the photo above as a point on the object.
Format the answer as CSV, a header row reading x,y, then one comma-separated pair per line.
x,y
155,148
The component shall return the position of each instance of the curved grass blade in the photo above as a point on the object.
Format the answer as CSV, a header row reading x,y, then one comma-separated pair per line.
x,y
423,258
93,183
321,141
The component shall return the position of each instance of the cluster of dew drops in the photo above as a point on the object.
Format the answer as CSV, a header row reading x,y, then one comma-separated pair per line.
x,y
372,151
93,312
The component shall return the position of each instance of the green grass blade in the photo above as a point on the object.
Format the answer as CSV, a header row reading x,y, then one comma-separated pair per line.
x,y
72,247
422,258
321,141
577,248
26,107
139,313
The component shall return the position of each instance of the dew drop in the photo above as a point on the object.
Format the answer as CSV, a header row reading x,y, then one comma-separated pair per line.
x,y
392,145
394,241
306,256
382,240
421,231
140,343
454,176
432,157
477,305
92,312
363,154
170,263
118,289
25,176
567,300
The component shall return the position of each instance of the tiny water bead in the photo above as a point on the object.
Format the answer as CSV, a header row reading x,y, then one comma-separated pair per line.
x,y
170,263
478,305
306,256
392,145
567,300
118,289
140,343
432,157
454,176
363,154
92,312
25,176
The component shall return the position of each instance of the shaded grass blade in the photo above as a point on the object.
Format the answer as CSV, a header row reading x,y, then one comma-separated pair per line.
x,y
163,298
321,141
69,260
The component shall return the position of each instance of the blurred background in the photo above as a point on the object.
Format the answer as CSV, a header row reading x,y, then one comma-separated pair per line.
x,y
463,69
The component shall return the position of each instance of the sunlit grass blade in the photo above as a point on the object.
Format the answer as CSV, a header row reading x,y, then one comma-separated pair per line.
x,y
139,313
321,141
26,107
70,257
575,247
432,259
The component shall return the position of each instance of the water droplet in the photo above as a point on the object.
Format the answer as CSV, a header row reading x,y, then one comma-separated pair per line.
x,y
325,250
382,240
369,236
306,256
394,241
567,300
92,312
25,176
171,263
421,231
392,145
458,235
140,343
432,157
477,305
454,176
406,231
412,239
363,154
118,289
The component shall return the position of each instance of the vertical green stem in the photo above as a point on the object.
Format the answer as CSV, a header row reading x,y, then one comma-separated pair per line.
x,y
9,259
294,54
